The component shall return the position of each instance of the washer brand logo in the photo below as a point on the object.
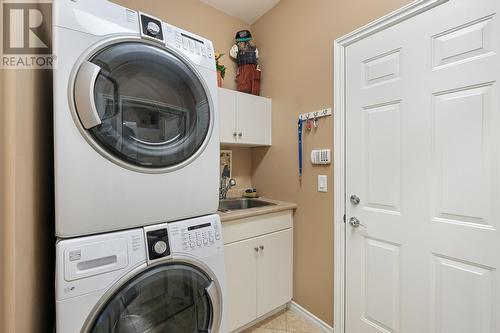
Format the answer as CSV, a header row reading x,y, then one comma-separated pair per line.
x,y
27,34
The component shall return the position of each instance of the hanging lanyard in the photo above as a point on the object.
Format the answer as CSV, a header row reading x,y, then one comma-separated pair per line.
x,y
299,125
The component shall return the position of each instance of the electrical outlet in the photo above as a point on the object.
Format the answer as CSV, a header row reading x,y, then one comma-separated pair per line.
x,y
322,183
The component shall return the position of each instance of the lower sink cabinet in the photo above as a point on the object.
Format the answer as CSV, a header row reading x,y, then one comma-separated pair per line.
x,y
258,276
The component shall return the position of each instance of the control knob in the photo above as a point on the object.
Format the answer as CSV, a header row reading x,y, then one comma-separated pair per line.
x,y
153,29
160,247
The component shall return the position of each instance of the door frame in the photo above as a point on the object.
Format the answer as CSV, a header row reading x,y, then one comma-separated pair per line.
x,y
414,8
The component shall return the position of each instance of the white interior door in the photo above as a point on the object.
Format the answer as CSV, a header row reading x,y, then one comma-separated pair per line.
x,y
422,154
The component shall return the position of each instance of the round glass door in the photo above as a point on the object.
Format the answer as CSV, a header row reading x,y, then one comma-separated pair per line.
x,y
154,112
166,298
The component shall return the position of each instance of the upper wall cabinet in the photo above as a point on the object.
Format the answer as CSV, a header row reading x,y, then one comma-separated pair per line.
x,y
245,119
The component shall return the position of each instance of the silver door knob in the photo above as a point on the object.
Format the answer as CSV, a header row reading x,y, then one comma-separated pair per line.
x,y
354,199
354,222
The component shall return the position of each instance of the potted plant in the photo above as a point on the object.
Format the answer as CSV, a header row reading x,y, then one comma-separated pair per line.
x,y
221,69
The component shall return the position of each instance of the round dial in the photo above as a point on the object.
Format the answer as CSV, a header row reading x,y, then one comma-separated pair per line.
x,y
160,247
153,28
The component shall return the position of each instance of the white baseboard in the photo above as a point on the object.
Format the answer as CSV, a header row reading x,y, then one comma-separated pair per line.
x,y
310,317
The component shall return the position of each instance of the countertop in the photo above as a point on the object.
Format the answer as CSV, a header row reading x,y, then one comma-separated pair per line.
x,y
243,213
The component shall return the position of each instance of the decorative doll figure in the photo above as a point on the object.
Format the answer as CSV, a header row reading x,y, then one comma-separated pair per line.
x,y
246,54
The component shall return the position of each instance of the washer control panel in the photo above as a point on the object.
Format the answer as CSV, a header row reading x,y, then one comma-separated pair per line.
x,y
200,235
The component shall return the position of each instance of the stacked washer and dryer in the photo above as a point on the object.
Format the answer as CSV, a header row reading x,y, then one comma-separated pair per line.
x,y
136,174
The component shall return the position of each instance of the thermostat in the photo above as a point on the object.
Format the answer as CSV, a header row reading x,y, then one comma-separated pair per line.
x,y
321,156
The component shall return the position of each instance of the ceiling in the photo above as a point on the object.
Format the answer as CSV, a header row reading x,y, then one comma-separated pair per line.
x,y
245,10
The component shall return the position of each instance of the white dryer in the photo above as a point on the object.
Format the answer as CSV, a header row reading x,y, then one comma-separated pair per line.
x,y
135,120
162,278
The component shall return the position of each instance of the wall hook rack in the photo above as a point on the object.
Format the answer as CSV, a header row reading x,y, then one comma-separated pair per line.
x,y
316,114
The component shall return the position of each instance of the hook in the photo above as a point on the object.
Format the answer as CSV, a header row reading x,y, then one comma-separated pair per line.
x,y
308,124
315,122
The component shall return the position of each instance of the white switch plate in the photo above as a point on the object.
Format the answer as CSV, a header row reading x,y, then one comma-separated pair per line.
x,y
322,183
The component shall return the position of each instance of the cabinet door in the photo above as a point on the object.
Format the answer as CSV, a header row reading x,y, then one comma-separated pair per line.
x,y
274,270
241,282
253,119
227,115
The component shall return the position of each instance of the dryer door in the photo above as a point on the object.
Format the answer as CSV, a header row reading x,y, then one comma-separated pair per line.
x,y
143,106
175,297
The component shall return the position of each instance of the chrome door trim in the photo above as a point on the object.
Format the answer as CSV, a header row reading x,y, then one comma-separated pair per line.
x,y
96,48
215,300
84,94
213,290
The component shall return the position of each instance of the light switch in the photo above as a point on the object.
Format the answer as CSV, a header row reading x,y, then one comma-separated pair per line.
x,y
322,183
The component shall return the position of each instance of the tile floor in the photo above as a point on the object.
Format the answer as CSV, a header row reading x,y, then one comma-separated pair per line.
x,y
284,322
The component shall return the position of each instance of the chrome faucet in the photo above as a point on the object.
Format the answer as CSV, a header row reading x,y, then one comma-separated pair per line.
x,y
225,183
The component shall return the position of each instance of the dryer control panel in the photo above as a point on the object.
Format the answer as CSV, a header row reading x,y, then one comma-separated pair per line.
x,y
198,49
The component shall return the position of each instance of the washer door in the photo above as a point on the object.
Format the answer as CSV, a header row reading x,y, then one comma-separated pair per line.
x,y
142,106
167,298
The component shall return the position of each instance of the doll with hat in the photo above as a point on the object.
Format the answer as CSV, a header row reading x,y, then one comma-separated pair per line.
x,y
246,55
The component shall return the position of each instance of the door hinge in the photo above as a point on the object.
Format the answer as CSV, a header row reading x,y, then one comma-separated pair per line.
x,y
344,218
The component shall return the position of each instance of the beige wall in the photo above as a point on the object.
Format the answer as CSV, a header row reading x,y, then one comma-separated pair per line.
x,y
295,40
27,202
203,20
242,170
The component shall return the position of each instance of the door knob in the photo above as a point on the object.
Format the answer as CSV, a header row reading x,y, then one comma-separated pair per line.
x,y
354,222
240,134
234,134
261,247
354,199
256,249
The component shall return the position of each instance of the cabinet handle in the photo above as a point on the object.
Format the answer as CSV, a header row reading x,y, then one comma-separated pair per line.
x,y
240,134
261,247
256,249
234,134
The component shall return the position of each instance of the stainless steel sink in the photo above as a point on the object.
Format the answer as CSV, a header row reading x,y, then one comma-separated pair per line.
x,y
242,203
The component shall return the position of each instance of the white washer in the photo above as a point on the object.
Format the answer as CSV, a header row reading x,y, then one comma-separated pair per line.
x,y
162,278
135,120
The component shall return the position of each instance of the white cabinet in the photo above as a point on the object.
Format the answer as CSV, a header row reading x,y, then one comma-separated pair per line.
x,y
245,119
274,270
241,282
259,266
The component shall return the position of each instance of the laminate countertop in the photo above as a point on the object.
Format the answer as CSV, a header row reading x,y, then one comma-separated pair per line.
x,y
249,212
